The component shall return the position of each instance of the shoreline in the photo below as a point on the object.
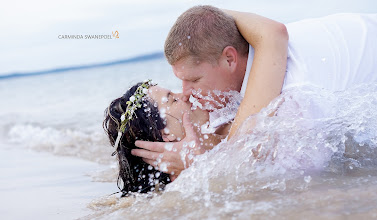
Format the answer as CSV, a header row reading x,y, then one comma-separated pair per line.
x,y
46,186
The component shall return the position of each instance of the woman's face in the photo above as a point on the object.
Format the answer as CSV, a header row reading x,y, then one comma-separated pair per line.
x,y
172,108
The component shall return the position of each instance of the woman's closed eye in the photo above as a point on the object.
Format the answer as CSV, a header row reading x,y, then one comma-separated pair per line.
x,y
172,97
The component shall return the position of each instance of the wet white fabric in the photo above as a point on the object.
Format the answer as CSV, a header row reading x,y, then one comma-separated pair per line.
x,y
248,68
333,52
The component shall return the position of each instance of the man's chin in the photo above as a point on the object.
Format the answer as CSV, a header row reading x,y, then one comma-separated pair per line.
x,y
208,106
205,103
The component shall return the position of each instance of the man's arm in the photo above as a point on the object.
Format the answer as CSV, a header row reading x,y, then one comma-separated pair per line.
x,y
270,42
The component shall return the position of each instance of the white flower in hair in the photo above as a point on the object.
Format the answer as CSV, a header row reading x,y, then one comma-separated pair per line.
x,y
133,104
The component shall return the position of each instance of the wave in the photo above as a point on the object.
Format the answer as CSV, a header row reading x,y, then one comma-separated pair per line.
x,y
92,146
151,56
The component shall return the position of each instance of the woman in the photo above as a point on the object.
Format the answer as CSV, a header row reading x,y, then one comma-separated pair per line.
x,y
134,175
148,112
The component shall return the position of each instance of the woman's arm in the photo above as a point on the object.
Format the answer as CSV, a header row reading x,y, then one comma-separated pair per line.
x,y
270,42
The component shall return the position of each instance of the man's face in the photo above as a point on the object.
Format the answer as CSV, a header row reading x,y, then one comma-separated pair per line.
x,y
204,77
171,108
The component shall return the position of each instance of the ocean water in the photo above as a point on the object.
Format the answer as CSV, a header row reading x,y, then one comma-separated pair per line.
x,y
62,112
292,166
55,159
300,164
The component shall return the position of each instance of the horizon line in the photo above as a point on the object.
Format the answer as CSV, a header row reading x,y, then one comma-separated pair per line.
x,y
150,56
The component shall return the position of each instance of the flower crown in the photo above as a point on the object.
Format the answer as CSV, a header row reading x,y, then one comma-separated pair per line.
x,y
133,104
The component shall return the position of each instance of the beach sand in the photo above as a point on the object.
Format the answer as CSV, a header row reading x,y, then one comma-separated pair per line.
x,y
43,186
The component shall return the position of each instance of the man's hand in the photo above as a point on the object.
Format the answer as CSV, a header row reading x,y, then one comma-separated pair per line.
x,y
169,157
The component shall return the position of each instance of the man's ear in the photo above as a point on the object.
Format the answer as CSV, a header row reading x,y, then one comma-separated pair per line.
x,y
230,57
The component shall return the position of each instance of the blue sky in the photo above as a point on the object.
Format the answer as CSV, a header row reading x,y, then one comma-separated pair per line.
x,y
30,29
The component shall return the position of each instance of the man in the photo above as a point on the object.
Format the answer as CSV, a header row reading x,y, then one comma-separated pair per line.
x,y
208,51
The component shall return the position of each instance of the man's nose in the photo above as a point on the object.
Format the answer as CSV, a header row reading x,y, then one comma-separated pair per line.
x,y
181,97
187,91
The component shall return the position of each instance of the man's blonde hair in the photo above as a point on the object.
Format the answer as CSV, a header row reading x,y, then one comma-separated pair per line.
x,y
202,33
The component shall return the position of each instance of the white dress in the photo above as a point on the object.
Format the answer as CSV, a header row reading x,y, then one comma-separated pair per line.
x,y
333,52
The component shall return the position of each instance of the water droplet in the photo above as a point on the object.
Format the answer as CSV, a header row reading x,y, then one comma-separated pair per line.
x,y
166,131
169,146
308,179
157,174
164,100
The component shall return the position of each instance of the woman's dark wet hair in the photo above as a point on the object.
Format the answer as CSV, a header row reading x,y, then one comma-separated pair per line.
x,y
134,174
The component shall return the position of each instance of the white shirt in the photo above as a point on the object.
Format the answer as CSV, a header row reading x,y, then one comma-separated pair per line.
x,y
332,52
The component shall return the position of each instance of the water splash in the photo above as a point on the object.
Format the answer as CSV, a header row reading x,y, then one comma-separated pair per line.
x,y
320,147
312,130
